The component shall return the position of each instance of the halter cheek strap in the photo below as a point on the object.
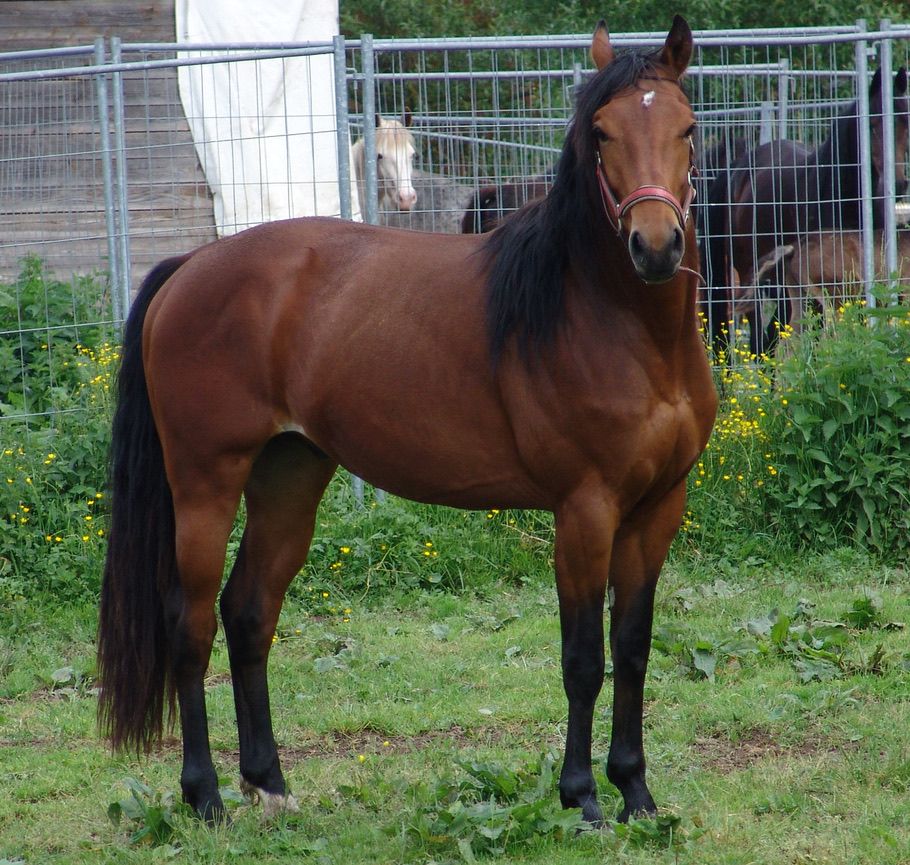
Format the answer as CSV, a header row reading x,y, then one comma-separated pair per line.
x,y
617,210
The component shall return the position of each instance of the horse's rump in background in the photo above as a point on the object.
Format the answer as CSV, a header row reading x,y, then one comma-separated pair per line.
x,y
490,204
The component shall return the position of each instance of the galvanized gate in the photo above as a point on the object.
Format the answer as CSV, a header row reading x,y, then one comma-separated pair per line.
x,y
99,174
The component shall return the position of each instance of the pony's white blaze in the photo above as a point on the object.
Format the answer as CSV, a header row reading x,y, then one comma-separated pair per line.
x,y
647,99
395,153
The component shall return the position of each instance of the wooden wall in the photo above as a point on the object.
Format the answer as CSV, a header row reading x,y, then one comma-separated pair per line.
x,y
51,188
28,24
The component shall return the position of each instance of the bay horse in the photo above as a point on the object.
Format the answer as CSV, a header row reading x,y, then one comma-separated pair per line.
x,y
553,364
782,191
395,151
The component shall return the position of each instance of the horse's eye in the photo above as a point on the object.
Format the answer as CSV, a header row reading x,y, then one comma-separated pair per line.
x,y
600,135
690,131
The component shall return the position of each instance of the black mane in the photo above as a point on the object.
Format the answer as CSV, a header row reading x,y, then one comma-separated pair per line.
x,y
531,251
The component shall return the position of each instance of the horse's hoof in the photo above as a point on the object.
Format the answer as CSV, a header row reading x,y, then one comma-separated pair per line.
x,y
591,813
273,804
641,811
213,813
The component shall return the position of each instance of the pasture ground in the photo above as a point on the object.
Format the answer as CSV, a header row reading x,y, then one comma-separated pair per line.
x,y
778,704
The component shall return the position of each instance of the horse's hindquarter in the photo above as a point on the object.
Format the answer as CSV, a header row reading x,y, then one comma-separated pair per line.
x,y
370,342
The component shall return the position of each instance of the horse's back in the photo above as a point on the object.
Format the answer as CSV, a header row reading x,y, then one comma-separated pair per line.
x,y
769,195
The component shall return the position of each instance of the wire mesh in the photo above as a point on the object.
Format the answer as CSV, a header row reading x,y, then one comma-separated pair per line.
x,y
487,118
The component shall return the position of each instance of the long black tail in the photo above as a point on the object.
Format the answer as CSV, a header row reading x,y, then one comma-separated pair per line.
x,y
133,655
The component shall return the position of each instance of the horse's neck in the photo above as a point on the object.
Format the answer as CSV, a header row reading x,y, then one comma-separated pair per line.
x,y
836,178
664,314
357,156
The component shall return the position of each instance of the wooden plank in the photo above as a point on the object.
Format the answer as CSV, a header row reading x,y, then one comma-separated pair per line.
x,y
30,24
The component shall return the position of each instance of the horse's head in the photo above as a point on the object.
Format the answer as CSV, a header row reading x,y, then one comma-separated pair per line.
x,y
901,130
641,138
395,152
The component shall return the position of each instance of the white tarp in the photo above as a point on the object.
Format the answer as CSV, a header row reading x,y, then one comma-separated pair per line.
x,y
264,130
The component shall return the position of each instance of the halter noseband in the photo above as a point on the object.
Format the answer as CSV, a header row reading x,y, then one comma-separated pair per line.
x,y
616,211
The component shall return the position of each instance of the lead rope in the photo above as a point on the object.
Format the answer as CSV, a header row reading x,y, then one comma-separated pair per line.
x,y
694,273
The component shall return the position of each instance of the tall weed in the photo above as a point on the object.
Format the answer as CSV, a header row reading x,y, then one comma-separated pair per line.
x,y
840,421
56,373
45,324
812,448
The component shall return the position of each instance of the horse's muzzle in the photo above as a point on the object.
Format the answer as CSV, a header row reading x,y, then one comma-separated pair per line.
x,y
657,264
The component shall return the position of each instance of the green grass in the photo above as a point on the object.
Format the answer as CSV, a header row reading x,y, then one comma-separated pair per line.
x,y
373,714
415,681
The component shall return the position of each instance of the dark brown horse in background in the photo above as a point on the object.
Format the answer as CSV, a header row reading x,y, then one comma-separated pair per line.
x,y
783,191
554,364
491,204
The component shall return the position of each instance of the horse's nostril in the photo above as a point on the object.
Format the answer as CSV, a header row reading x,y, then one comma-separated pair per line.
x,y
636,246
679,240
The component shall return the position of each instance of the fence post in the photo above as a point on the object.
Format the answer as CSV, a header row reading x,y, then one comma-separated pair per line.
x,y
889,191
370,180
783,97
123,207
766,122
343,130
865,159
107,180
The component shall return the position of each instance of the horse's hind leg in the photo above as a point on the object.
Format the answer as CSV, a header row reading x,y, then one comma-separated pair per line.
x,y
282,495
202,523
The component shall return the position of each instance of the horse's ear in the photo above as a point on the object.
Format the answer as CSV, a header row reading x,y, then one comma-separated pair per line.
x,y
876,86
677,50
768,262
900,82
601,50
408,117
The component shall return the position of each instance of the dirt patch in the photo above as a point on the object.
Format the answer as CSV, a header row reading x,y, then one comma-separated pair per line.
x,y
337,744
346,744
756,744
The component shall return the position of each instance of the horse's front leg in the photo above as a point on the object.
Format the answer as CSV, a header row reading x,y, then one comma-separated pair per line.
x,y
639,549
584,532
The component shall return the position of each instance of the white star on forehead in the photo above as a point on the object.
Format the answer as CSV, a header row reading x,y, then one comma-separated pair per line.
x,y
647,99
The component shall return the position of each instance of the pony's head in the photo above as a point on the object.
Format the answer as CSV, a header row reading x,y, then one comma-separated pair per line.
x,y
395,153
634,131
901,130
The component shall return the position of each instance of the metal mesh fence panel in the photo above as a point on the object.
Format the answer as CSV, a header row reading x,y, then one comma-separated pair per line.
x,y
100,176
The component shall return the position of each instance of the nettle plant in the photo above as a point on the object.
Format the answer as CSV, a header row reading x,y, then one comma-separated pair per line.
x,y
47,329
57,365
840,426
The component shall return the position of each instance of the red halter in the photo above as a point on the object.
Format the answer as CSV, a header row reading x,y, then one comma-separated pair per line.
x,y
616,211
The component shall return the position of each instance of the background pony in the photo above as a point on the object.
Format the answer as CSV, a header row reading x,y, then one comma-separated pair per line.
x,y
395,151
